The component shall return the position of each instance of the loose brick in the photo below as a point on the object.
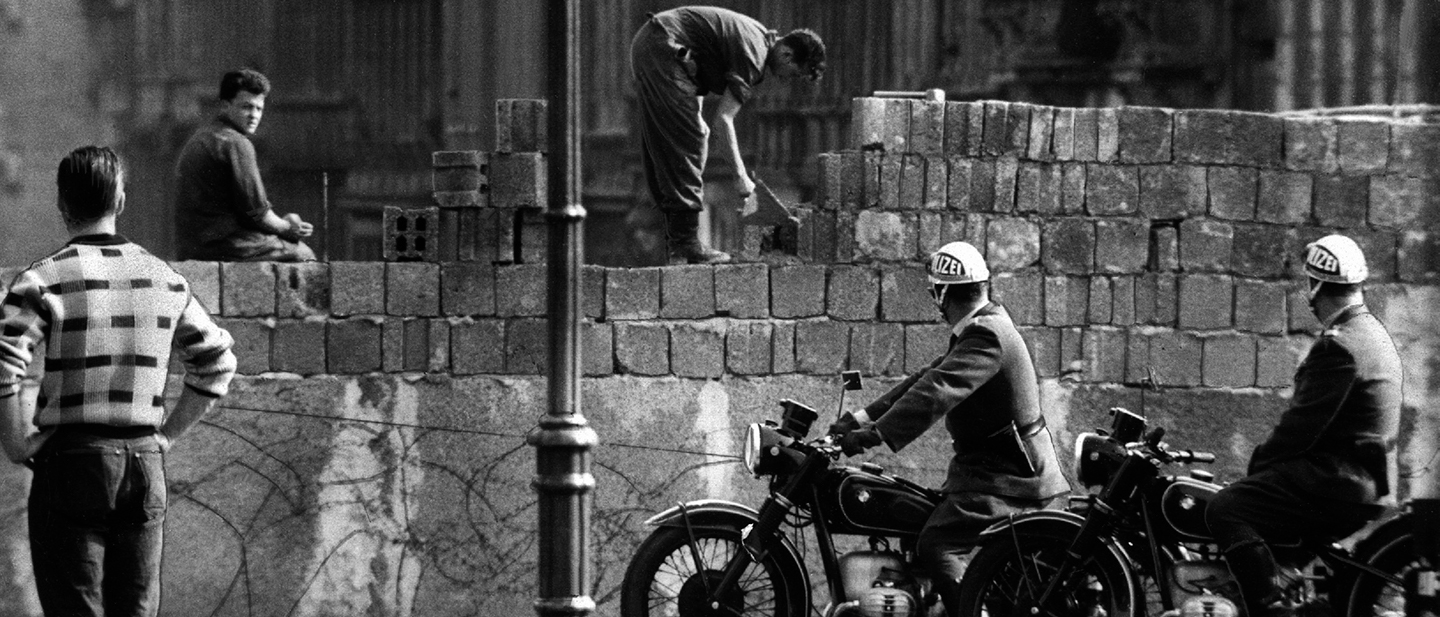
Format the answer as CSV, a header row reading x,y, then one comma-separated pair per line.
x,y
1276,358
1112,189
1044,347
1017,128
1062,144
748,348
1007,168
1233,192
1102,301
1205,245
912,182
392,346
897,125
1144,134
1259,250
853,293
845,251
687,292
1229,361
1341,201
1164,248
1104,355
1038,188
252,343
821,347
698,350
927,126
982,185
1284,197
783,340
1260,306
1415,149
1087,134
413,289
202,276
1312,144
877,348
1012,244
1172,191
521,125
632,293
1121,245
924,343
995,131
467,288
247,289
1206,302
797,291
957,193
937,183
886,236
416,354
904,295
597,350
1072,188
353,345
1224,137
1021,294
742,290
299,346
1364,145
1122,289
829,192
1418,257
527,346
458,171
852,181
872,168
357,288
964,126
1067,246
1067,298
867,123
477,346
517,180
1040,137
1107,136
1177,358
892,173
1400,202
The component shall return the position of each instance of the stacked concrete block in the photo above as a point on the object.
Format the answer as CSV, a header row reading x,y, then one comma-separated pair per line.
x,y
411,234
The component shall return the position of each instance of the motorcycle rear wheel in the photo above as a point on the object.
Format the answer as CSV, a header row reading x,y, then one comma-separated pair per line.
x,y
1013,568
1367,595
663,579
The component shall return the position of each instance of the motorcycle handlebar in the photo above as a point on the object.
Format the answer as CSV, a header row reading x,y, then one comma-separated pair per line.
x,y
1190,456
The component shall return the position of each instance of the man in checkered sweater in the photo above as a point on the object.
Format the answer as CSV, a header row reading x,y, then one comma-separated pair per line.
x,y
108,314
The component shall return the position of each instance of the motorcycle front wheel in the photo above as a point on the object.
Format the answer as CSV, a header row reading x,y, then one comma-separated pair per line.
x,y
1008,574
664,580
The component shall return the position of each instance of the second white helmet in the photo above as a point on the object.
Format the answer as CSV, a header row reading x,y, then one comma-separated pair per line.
x,y
957,263
1335,259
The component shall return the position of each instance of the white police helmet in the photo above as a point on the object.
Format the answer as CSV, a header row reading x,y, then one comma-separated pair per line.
x,y
957,263
1334,259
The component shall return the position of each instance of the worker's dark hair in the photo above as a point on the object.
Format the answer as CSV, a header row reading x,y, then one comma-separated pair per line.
x,y
89,182
249,80
807,50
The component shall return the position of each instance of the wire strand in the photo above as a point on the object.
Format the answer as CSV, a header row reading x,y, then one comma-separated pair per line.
x,y
465,431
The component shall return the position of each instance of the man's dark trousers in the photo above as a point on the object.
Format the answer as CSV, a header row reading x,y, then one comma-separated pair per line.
x,y
97,507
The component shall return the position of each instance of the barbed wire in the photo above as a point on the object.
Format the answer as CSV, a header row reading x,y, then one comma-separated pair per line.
x,y
463,431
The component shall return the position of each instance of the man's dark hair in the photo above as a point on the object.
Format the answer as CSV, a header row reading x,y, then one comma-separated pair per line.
x,y
807,50
89,181
249,80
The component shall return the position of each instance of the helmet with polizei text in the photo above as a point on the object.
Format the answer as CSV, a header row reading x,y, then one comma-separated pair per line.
x,y
957,263
1335,259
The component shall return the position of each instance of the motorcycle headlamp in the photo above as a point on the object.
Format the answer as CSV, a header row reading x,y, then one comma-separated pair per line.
x,y
763,448
1097,457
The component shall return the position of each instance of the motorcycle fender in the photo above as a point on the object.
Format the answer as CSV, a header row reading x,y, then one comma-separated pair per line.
x,y
1386,534
721,514
1052,520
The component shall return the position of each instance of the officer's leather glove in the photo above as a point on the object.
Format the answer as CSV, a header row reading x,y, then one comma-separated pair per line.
x,y
845,424
859,440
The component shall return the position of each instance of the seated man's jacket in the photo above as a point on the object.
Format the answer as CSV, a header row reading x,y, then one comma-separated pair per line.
x,y
985,388
1337,439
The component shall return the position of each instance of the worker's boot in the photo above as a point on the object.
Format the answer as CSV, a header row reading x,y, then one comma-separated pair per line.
x,y
683,227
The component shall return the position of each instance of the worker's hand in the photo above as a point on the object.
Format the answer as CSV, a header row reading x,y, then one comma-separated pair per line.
x,y
746,186
15,358
845,424
298,227
859,440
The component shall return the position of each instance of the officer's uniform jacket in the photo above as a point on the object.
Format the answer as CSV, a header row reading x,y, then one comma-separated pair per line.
x,y
985,388
1337,439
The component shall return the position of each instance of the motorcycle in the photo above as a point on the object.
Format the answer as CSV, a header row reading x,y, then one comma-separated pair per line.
x,y
1140,546
713,557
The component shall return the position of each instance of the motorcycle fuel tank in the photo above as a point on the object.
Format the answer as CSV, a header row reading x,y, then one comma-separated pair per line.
x,y
1183,507
859,502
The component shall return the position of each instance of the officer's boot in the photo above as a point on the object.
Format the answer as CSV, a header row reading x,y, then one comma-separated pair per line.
x,y
1254,569
682,231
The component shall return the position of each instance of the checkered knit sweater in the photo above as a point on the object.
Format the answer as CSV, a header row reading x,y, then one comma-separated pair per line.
x,y
108,314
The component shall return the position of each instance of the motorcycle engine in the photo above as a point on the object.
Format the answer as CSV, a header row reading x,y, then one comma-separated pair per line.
x,y
886,600
1204,588
877,584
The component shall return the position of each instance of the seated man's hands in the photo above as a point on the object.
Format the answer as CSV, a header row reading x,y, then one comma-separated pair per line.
x,y
298,228
859,440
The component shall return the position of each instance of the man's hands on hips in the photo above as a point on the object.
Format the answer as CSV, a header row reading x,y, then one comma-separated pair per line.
x,y
859,440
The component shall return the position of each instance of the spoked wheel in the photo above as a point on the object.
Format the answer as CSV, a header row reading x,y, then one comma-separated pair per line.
x,y
1010,572
1369,595
664,580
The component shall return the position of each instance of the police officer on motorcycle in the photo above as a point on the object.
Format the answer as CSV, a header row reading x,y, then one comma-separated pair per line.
x,y
984,387
1328,464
